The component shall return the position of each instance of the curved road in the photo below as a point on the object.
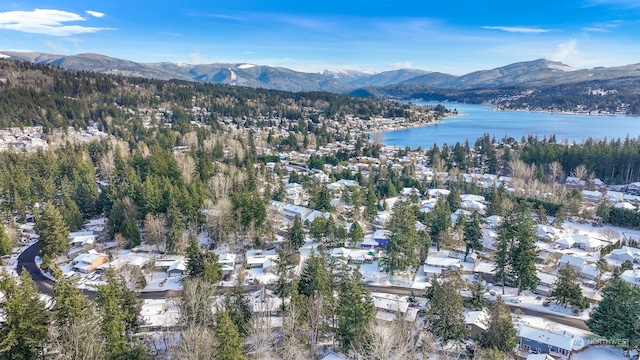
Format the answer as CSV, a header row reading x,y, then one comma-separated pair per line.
x,y
26,260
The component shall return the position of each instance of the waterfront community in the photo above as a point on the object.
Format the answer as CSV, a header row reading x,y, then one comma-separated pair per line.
x,y
178,220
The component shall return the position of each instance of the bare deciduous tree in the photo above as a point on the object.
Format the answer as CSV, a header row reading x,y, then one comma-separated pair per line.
x,y
196,343
106,165
154,229
260,338
392,340
78,340
610,234
186,164
196,303
555,170
580,172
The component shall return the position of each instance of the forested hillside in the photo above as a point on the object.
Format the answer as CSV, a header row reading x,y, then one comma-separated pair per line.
x,y
36,94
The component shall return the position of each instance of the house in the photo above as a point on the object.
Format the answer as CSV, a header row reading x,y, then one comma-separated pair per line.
x,y
86,263
632,277
178,268
558,345
565,243
590,271
261,259
381,237
626,253
574,261
388,307
546,283
587,243
476,323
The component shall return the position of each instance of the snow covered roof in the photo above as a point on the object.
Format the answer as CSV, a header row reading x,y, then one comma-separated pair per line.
x,y
546,337
572,260
477,318
389,304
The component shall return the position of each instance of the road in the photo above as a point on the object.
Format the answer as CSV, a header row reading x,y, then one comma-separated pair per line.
x,y
26,260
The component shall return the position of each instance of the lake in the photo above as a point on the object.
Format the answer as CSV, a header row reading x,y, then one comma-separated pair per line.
x,y
475,120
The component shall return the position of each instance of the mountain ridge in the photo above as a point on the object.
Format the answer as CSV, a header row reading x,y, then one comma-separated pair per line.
x,y
528,74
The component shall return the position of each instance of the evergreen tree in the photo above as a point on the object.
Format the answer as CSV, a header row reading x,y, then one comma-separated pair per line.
x,y
472,234
131,233
229,341
477,300
315,276
500,334
119,314
356,233
295,234
212,270
617,317
71,304
439,221
524,253
53,232
453,199
237,305
195,259
445,314
402,250
24,331
355,309
567,291
5,243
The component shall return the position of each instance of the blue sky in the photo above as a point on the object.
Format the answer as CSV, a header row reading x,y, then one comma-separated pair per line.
x,y
453,36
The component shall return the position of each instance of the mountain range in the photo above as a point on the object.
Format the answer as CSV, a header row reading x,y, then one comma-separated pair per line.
x,y
529,74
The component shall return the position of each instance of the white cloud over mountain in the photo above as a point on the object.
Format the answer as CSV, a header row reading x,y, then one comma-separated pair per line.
x,y
46,22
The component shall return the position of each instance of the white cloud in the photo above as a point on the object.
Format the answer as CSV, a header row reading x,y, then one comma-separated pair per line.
x,y
565,51
197,57
45,22
95,13
401,65
517,29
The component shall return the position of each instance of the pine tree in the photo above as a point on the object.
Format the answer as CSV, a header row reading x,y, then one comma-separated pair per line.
x,y
477,300
402,250
53,232
445,314
119,314
24,332
70,303
617,317
524,253
195,259
315,276
567,291
5,242
229,340
356,233
355,309
212,270
295,234
439,221
472,234
500,334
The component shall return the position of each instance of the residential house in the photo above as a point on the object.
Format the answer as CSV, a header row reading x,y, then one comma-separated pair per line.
x,y
388,307
178,268
626,253
546,284
558,345
86,263
381,237
632,277
590,271
570,260
476,323
261,259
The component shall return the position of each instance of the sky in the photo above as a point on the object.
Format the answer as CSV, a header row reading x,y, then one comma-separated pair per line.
x,y
455,36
